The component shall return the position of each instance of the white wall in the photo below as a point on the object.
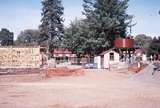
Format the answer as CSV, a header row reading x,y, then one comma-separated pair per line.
x,y
97,60
107,61
144,57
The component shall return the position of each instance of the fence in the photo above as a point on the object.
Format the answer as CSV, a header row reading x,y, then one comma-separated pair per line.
x,y
75,60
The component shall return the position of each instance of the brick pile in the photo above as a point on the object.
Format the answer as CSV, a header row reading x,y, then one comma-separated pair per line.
x,y
64,72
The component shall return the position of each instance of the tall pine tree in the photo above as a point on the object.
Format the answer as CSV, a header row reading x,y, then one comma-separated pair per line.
x,y
52,23
106,19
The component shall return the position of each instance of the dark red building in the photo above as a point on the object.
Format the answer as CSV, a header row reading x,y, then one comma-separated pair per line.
x,y
63,55
125,47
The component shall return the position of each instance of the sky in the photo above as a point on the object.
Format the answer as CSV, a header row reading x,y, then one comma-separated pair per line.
x,y
18,15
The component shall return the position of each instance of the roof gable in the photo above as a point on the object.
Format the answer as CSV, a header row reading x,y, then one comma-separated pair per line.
x,y
108,51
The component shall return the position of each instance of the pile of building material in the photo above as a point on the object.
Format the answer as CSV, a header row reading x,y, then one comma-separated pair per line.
x,y
149,74
64,71
157,67
20,57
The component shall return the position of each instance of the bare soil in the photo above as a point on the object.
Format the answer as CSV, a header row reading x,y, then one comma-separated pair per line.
x,y
96,89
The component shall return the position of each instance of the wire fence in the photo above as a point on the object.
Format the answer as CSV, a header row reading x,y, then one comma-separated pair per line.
x,y
75,60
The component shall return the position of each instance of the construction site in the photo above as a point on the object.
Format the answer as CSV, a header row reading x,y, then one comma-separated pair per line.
x,y
30,85
79,54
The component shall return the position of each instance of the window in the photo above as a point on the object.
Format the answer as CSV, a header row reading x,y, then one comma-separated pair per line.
x,y
111,56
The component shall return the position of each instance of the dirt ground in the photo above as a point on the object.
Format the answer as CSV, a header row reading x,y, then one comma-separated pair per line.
x,y
97,89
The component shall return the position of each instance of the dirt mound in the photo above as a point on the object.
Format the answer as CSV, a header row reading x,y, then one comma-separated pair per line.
x,y
134,67
64,72
20,71
21,78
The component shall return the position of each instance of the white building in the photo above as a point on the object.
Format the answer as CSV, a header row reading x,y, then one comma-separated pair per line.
x,y
107,59
97,60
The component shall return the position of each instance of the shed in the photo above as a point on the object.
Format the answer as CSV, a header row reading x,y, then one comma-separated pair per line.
x,y
109,58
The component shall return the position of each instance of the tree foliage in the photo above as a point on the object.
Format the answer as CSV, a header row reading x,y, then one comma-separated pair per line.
x,y
149,45
6,37
154,47
28,38
143,41
106,19
96,33
52,22
75,37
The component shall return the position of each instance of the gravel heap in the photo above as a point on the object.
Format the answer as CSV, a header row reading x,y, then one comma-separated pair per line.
x,y
148,74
